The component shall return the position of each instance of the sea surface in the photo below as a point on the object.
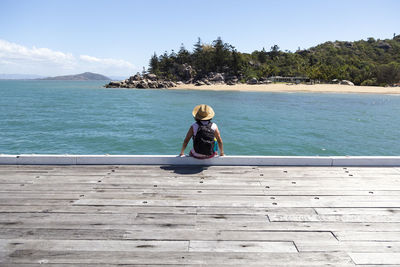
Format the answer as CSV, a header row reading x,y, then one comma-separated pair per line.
x,y
70,117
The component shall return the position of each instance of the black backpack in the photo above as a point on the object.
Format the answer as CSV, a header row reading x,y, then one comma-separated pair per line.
x,y
203,142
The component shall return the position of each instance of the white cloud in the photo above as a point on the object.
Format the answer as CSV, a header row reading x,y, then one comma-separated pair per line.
x,y
108,61
15,58
89,58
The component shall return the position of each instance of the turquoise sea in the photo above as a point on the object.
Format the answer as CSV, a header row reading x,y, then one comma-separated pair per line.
x,y
66,117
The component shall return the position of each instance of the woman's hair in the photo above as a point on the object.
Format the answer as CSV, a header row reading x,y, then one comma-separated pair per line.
x,y
197,120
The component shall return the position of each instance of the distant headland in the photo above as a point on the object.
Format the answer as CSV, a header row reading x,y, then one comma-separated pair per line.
x,y
86,76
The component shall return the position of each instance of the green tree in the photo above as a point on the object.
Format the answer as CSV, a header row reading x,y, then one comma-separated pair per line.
x,y
388,73
154,65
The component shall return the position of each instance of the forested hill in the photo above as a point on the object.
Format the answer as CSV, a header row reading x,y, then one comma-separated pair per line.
x,y
364,62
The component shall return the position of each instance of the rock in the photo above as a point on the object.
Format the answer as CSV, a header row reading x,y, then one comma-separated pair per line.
x,y
346,82
160,85
152,84
252,81
142,85
348,44
231,80
151,77
132,85
218,77
199,83
205,81
189,81
384,45
136,77
179,83
114,84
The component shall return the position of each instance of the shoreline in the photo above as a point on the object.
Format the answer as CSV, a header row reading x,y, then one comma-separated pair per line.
x,y
292,88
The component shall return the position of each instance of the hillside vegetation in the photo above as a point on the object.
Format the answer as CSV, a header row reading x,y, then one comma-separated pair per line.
x,y
364,62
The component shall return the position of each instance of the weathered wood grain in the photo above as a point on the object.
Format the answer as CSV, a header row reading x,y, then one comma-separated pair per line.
x,y
65,216
376,258
183,258
367,236
242,246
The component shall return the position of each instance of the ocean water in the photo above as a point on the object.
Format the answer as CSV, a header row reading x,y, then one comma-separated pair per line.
x,y
65,117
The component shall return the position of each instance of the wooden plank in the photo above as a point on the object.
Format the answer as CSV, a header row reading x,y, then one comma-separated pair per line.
x,y
228,235
375,258
97,209
226,202
349,246
242,246
62,234
374,211
252,211
297,226
174,258
97,245
23,195
8,220
333,218
40,187
367,236
160,189
35,202
171,234
277,236
156,218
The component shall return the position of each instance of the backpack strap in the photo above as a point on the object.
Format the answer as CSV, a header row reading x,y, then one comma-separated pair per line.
x,y
199,124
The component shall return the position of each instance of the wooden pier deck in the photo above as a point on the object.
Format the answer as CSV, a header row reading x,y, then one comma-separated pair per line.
x,y
127,215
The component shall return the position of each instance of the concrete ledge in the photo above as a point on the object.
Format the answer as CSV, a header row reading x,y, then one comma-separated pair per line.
x,y
8,159
365,161
217,161
46,159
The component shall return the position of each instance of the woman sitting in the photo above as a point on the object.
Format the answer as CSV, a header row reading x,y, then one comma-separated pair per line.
x,y
204,134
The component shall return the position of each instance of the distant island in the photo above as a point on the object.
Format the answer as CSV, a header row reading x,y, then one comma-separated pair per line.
x,y
87,76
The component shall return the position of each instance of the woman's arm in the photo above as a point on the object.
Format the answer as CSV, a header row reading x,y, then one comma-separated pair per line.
x,y
186,141
220,144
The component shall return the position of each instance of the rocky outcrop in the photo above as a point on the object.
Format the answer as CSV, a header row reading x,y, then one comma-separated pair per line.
x,y
264,81
199,83
152,81
385,46
142,82
252,81
216,77
346,82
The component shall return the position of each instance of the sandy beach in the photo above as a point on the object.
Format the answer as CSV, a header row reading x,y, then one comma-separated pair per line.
x,y
316,88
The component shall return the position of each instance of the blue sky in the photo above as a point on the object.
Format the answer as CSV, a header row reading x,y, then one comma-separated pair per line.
x,y
118,37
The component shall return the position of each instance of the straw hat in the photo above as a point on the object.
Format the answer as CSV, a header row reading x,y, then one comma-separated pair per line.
x,y
203,112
